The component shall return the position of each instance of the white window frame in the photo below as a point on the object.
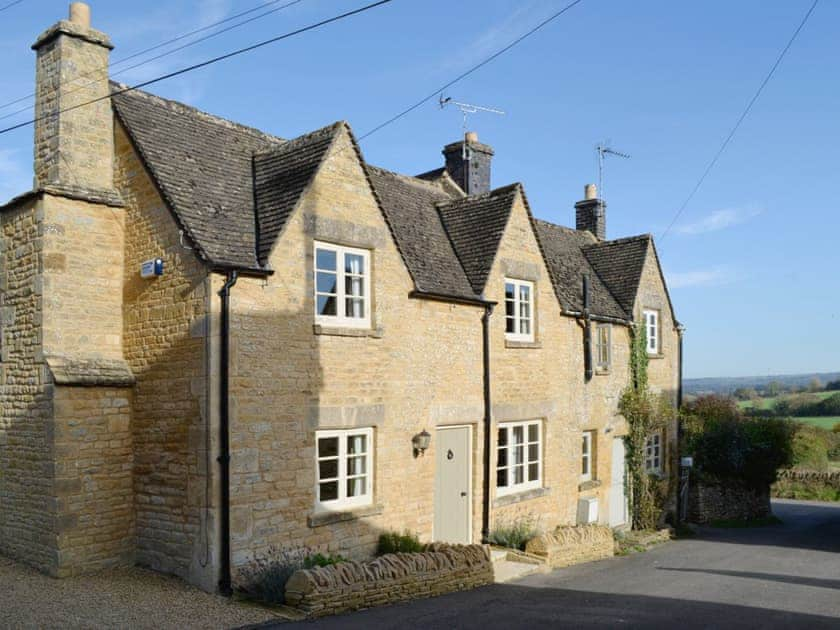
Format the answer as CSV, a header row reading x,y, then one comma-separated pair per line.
x,y
526,484
343,502
652,326
608,347
517,318
341,318
587,455
653,453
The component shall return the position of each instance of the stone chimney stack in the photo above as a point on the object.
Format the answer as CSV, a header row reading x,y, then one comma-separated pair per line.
x,y
591,213
468,163
73,149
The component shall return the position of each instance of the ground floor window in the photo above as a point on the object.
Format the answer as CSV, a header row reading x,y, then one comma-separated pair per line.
x,y
518,456
653,453
587,456
344,468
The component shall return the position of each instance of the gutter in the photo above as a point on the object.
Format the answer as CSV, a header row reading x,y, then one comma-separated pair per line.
x,y
443,297
488,422
224,433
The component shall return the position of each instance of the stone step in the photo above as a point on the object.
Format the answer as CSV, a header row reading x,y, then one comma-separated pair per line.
x,y
507,570
498,554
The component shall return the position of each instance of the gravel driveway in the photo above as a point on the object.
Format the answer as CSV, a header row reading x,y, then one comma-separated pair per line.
x,y
125,598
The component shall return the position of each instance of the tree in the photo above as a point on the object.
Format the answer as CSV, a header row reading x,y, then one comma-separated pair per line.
x,y
833,386
745,393
773,389
815,385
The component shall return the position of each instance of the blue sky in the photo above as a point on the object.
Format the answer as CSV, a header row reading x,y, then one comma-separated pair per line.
x,y
752,263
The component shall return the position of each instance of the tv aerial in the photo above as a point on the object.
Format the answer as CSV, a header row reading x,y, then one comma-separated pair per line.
x,y
603,150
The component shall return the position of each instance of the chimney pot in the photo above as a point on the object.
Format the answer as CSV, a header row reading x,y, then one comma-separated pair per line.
x,y
590,191
471,136
80,14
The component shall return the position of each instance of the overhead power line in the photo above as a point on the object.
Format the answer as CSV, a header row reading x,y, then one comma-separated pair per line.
x,y
206,63
140,53
10,5
105,69
463,75
743,116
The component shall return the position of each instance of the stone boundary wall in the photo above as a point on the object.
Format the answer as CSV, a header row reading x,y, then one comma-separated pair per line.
x,y
794,484
828,478
724,501
568,545
389,579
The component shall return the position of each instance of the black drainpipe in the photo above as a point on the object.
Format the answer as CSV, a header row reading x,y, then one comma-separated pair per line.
x,y
488,422
224,433
587,331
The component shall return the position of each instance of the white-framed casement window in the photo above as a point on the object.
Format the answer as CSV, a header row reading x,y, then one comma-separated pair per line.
x,y
603,339
344,469
342,285
653,453
519,310
652,331
518,457
587,456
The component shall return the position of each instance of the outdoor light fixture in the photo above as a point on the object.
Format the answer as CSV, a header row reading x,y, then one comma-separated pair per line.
x,y
420,442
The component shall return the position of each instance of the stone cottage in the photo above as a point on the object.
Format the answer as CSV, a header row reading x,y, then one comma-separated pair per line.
x,y
215,340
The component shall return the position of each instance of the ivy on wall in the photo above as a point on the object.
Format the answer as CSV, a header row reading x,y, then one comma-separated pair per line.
x,y
645,413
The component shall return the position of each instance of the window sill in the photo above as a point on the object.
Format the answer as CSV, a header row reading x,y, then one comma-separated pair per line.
x,y
513,343
319,519
343,331
602,372
517,497
589,485
656,356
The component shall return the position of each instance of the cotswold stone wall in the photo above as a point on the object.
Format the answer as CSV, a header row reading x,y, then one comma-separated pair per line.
x,y
26,470
726,500
389,579
566,546
794,484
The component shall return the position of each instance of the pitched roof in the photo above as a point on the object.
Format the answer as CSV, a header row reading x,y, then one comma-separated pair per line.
x,y
281,175
202,166
409,206
619,263
475,226
567,264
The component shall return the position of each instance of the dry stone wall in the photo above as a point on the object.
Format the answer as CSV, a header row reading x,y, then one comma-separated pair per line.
x,y
727,500
389,579
566,546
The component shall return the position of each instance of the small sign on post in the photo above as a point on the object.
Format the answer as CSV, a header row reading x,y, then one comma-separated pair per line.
x,y
151,268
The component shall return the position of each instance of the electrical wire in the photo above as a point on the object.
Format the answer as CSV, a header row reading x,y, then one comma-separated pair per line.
x,y
204,64
156,57
113,64
463,75
10,5
743,116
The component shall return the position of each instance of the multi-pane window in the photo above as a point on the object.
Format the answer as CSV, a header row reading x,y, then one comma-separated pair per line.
x,y
652,331
344,468
342,285
518,457
587,456
602,346
519,310
653,453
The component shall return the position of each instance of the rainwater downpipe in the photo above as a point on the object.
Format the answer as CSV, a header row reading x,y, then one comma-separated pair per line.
x,y
224,432
488,423
587,332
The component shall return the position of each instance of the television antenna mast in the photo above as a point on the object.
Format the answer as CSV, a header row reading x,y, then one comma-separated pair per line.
x,y
466,110
603,150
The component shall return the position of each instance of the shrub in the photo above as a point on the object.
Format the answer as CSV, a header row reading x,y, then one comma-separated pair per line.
x,y
265,578
810,447
833,386
393,542
726,444
515,533
836,428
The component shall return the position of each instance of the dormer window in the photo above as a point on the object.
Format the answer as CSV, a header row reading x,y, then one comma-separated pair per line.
x,y
651,318
342,286
519,310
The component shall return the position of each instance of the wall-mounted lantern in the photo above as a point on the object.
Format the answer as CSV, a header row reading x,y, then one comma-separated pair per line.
x,y
420,442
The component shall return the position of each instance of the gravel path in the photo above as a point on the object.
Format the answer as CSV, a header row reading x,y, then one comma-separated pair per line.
x,y
124,598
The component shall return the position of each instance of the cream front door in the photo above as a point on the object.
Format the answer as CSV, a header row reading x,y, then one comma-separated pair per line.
x,y
453,487
618,494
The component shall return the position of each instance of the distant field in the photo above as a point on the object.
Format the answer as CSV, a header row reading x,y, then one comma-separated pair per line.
x,y
767,403
827,422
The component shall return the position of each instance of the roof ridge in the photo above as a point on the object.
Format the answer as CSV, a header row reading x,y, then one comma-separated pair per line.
x,y
409,179
496,192
582,233
299,141
625,239
122,88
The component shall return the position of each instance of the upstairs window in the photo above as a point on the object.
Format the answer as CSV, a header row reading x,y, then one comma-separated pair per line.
x,y
653,453
603,333
652,331
518,457
344,468
342,286
519,310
